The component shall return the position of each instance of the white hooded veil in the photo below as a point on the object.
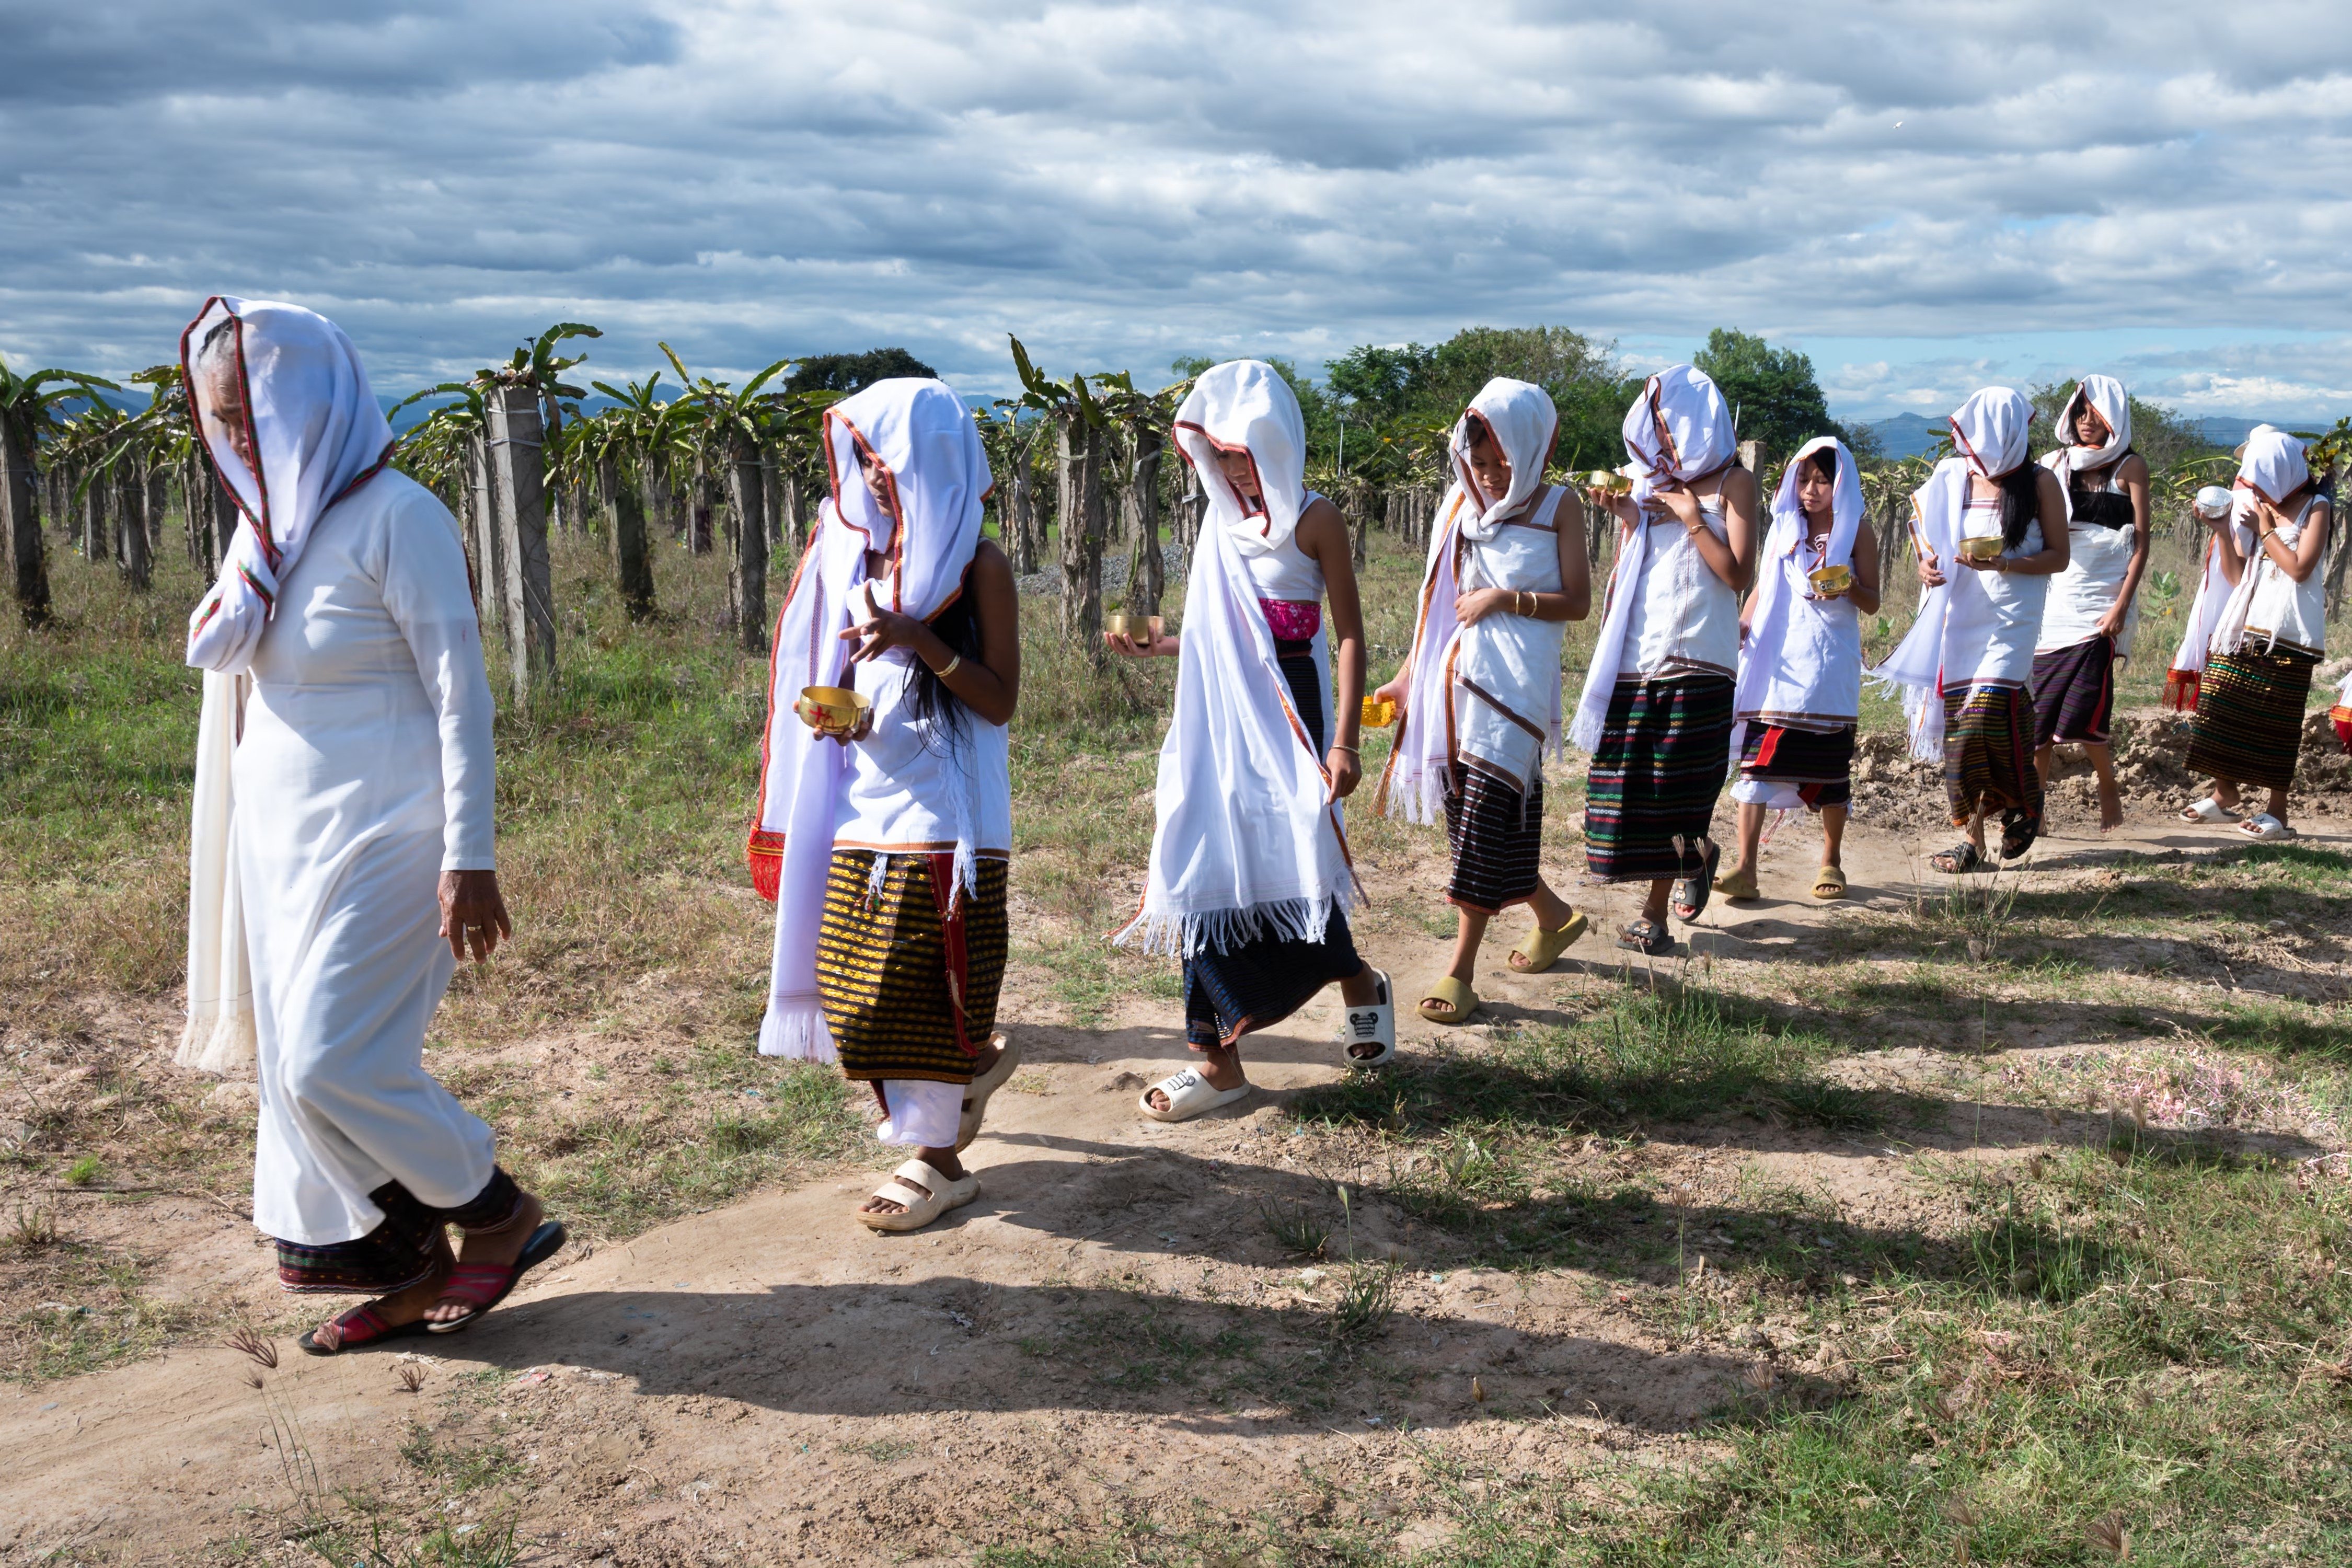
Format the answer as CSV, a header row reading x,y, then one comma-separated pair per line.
x,y
2273,468
1804,677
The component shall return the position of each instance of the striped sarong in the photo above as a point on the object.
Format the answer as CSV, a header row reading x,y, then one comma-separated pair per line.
x,y
1666,747
2075,694
399,1252
1820,765
890,968
1497,837
2249,724
1989,760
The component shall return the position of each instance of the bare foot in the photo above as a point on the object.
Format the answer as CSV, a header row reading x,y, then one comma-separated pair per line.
x,y
501,1245
943,1160
1221,1065
2111,808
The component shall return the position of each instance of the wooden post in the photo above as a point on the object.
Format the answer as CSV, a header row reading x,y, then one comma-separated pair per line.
x,y
135,561
771,496
747,571
94,543
519,495
625,518
489,553
20,525
1080,498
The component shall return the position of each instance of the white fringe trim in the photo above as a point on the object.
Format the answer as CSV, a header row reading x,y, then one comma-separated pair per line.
x,y
795,1027
222,1043
1173,935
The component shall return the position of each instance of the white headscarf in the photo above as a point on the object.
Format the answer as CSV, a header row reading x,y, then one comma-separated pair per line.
x,y
1777,675
1248,841
922,432
1678,428
2274,467
1522,420
314,423
2106,395
1989,433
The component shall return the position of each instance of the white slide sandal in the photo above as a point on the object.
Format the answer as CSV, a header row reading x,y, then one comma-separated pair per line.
x,y
2209,811
1372,1024
907,1185
1188,1095
2263,828
975,1098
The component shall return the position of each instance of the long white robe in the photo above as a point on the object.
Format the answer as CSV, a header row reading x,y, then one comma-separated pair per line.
x,y
364,770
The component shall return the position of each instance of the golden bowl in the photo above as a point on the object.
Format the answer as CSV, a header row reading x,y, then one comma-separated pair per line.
x,y
1831,580
1379,713
1141,630
831,709
1609,482
1981,546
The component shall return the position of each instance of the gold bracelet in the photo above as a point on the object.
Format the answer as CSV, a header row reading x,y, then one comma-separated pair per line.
x,y
950,668
1517,596
1350,749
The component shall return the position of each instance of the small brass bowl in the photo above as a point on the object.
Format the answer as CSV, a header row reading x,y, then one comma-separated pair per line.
x,y
1119,625
1609,482
831,709
1981,546
1831,580
1379,713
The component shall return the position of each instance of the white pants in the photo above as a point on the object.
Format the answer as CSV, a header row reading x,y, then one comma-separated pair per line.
x,y
924,1114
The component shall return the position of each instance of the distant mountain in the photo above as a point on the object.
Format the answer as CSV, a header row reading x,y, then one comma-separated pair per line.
x,y
1906,435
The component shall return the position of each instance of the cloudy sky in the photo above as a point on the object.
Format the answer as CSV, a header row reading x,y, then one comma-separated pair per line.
x,y
1923,196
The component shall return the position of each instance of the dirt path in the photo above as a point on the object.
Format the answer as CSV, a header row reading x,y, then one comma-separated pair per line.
x,y
1111,1329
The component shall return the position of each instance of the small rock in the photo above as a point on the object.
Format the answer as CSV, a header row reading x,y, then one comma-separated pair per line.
x,y
235,1094
1125,1081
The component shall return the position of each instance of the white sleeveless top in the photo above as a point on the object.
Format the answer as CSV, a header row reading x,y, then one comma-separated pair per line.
x,y
2017,600
1685,619
898,795
2285,616
1506,689
2097,558
1286,572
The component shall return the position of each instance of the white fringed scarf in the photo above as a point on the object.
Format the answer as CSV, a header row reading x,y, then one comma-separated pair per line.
x,y
1523,421
314,424
2187,675
1248,842
1679,429
925,436
2273,468
1956,623
2098,558
1782,677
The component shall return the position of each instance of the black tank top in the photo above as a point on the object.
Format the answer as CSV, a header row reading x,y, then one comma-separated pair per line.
x,y
2102,508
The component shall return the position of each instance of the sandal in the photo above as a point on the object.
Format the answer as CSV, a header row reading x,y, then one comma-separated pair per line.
x,y
1449,1001
2209,811
975,1102
356,1330
1960,857
926,1193
1647,936
483,1285
1541,949
1188,1095
1691,893
2262,827
2018,833
1829,883
1373,1024
1739,887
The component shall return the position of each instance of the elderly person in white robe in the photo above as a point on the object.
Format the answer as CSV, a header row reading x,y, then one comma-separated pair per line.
x,y
342,852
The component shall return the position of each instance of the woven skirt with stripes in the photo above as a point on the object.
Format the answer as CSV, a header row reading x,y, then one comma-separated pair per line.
x,y
1665,750
891,967
1989,759
1496,836
2249,724
2075,694
401,1251
1818,764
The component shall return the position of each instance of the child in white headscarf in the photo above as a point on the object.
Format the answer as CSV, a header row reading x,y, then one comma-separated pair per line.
x,y
1478,694
1997,525
2092,607
1800,694
1656,708
1250,882
2268,639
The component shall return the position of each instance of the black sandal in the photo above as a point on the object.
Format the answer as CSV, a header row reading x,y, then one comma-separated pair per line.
x,y
2018,832
1648,937
1691,893
1957,860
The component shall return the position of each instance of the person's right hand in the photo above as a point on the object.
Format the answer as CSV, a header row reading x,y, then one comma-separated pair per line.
x,y
1394,693
1930,575
1161,646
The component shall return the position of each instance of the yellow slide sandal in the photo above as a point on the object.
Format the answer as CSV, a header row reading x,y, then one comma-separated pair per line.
x,y
1449,1001
1829,883
1540,948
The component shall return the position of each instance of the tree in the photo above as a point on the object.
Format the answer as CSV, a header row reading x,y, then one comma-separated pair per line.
x,y
1080,428
730,429
1773,394
29,405
852,373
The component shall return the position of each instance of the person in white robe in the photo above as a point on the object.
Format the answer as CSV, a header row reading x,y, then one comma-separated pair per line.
x,y
342,854
1477,696
1990,529
2092,612
886,842
1798,697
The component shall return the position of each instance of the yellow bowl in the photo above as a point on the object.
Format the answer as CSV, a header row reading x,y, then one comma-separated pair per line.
x,y
1379,714
1981,546
831,709
1831,579
1609,482
1141,630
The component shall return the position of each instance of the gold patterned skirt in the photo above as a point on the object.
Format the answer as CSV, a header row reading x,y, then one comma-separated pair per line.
x,y
908,992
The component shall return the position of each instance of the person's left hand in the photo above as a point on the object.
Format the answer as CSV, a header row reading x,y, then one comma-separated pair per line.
x,y
473,913
1677,498
886,630
1476,605
1347,772
2111,625
1991,563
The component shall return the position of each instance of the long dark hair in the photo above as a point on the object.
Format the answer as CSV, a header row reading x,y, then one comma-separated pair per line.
x,y
958,626
2021,502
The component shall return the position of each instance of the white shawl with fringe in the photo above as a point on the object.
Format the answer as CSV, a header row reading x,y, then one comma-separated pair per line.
x,y
2273,468
1801,664
1249,842
2213,588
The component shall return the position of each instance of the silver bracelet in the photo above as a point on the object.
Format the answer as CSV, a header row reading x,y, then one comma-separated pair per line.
x,y
950,668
